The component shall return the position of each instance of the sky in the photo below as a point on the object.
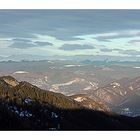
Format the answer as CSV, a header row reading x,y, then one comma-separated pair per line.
x,y
70,32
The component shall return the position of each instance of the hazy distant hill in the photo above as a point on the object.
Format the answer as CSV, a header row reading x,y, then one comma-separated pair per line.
x,y
84,58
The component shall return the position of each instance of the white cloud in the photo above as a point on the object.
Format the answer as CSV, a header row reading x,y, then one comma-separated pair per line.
x,y
118,40
5,42
112,35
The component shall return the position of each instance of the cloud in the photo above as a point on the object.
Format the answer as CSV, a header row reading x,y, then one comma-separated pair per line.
x,y
130,52
43,43
106,50
21,40
134,41
60,28
65,24
103,40
71,47
117,49
121,51
117,35
22,44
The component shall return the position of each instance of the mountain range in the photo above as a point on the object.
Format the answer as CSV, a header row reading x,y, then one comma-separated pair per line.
x,y
122,96
27,107
84,58
111,84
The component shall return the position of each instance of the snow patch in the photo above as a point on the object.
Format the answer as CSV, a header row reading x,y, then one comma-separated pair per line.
x,y
79,99
73,65
54,115
88,88
115,84
20,72
25,114
136,67
28,101
46,78
131,88
50,62
52,67
76,80
107,69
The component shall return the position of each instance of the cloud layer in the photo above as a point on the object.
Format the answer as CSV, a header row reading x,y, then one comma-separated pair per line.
x,y
71,47
70,32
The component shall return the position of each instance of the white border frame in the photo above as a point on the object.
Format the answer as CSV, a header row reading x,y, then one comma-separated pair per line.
x,y
69,4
